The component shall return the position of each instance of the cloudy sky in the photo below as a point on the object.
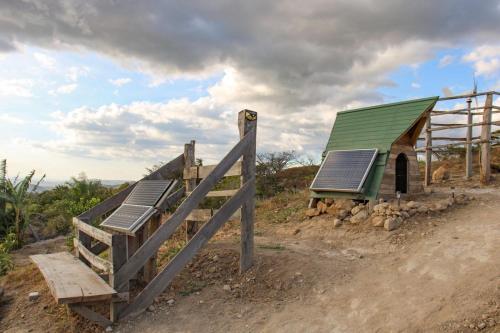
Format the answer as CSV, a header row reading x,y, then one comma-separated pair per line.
x,y
110,87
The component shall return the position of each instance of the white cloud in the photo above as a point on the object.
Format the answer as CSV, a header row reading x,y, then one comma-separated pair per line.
x,y
415,85
44,60
64,89
446,60
6,118
16,87
76,72
120,81
485,60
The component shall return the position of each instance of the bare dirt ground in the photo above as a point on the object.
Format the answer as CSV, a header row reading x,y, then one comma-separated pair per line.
x,y
437,273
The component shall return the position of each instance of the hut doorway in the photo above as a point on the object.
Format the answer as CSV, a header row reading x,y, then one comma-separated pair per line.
x,y
402,173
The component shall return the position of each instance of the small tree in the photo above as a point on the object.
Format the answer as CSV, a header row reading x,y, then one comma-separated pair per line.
x,y
269,165
16,194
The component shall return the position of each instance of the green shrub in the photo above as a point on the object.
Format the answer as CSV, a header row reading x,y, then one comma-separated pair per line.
x,y
6,246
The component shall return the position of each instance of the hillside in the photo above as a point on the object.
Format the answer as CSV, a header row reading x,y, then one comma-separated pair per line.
x,y
437,273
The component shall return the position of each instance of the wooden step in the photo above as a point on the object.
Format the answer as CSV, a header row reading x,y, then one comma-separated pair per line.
x,y
70,280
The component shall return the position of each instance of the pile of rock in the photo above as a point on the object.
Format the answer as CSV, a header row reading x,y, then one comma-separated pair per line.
x,y
385,214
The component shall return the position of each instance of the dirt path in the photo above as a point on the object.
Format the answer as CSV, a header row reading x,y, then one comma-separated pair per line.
x,y
440,274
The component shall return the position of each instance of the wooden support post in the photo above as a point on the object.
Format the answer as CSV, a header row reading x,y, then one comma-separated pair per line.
x,y
190,184
86,241
118,256
150,268
486,141
247,121
428,150
468,146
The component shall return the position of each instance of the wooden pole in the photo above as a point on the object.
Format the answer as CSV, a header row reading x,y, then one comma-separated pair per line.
x,y
150,268
118,255
485,141
428,150
190,184
247,121
468,146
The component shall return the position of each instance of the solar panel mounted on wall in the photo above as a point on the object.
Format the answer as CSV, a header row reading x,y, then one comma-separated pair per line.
x,y
344,170
147,192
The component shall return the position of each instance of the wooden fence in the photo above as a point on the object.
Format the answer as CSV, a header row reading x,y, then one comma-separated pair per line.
x,y
485,139
122,265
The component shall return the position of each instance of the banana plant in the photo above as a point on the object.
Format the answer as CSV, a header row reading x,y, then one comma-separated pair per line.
x,y
16,194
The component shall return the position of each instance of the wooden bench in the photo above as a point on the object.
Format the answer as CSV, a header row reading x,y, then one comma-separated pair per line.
x,y
70,280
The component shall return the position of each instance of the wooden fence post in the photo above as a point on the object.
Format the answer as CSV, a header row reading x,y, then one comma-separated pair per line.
x,y
190,184
486,141
118,255
150,268
468,144
247,121
428,150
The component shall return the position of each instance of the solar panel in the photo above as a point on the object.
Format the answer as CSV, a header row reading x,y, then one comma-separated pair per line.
x,y
128,218
138,207
344,170
147,192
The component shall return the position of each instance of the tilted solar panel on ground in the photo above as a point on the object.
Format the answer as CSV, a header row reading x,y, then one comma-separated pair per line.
x,y
138,207
344,170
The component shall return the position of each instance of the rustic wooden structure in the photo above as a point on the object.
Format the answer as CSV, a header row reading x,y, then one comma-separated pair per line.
x,y
72,280
485,139
393,130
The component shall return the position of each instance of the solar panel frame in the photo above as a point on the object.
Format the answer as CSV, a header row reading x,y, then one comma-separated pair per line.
x,y
115,221
148,192
359,188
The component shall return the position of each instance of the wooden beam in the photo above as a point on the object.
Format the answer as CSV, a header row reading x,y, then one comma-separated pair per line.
x,y
165,277
200,172
428,151
202,215
150,269
166,230
93,259
485,173
483,123
95,317
93,232
467,95
468,146
119,256
220,193
247,124
441,138
190,184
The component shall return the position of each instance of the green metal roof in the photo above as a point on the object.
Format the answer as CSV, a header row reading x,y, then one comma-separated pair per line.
x,y
376,127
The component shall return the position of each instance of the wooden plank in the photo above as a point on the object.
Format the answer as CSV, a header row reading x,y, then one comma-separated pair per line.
x,y
85,312
203,215
93,232
190,184
220,193
150,269
467,95
468,146
167,171
93,259
119,256
70,280
485,169
203,171
484,123
247,123
165,277
428,151
166,230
